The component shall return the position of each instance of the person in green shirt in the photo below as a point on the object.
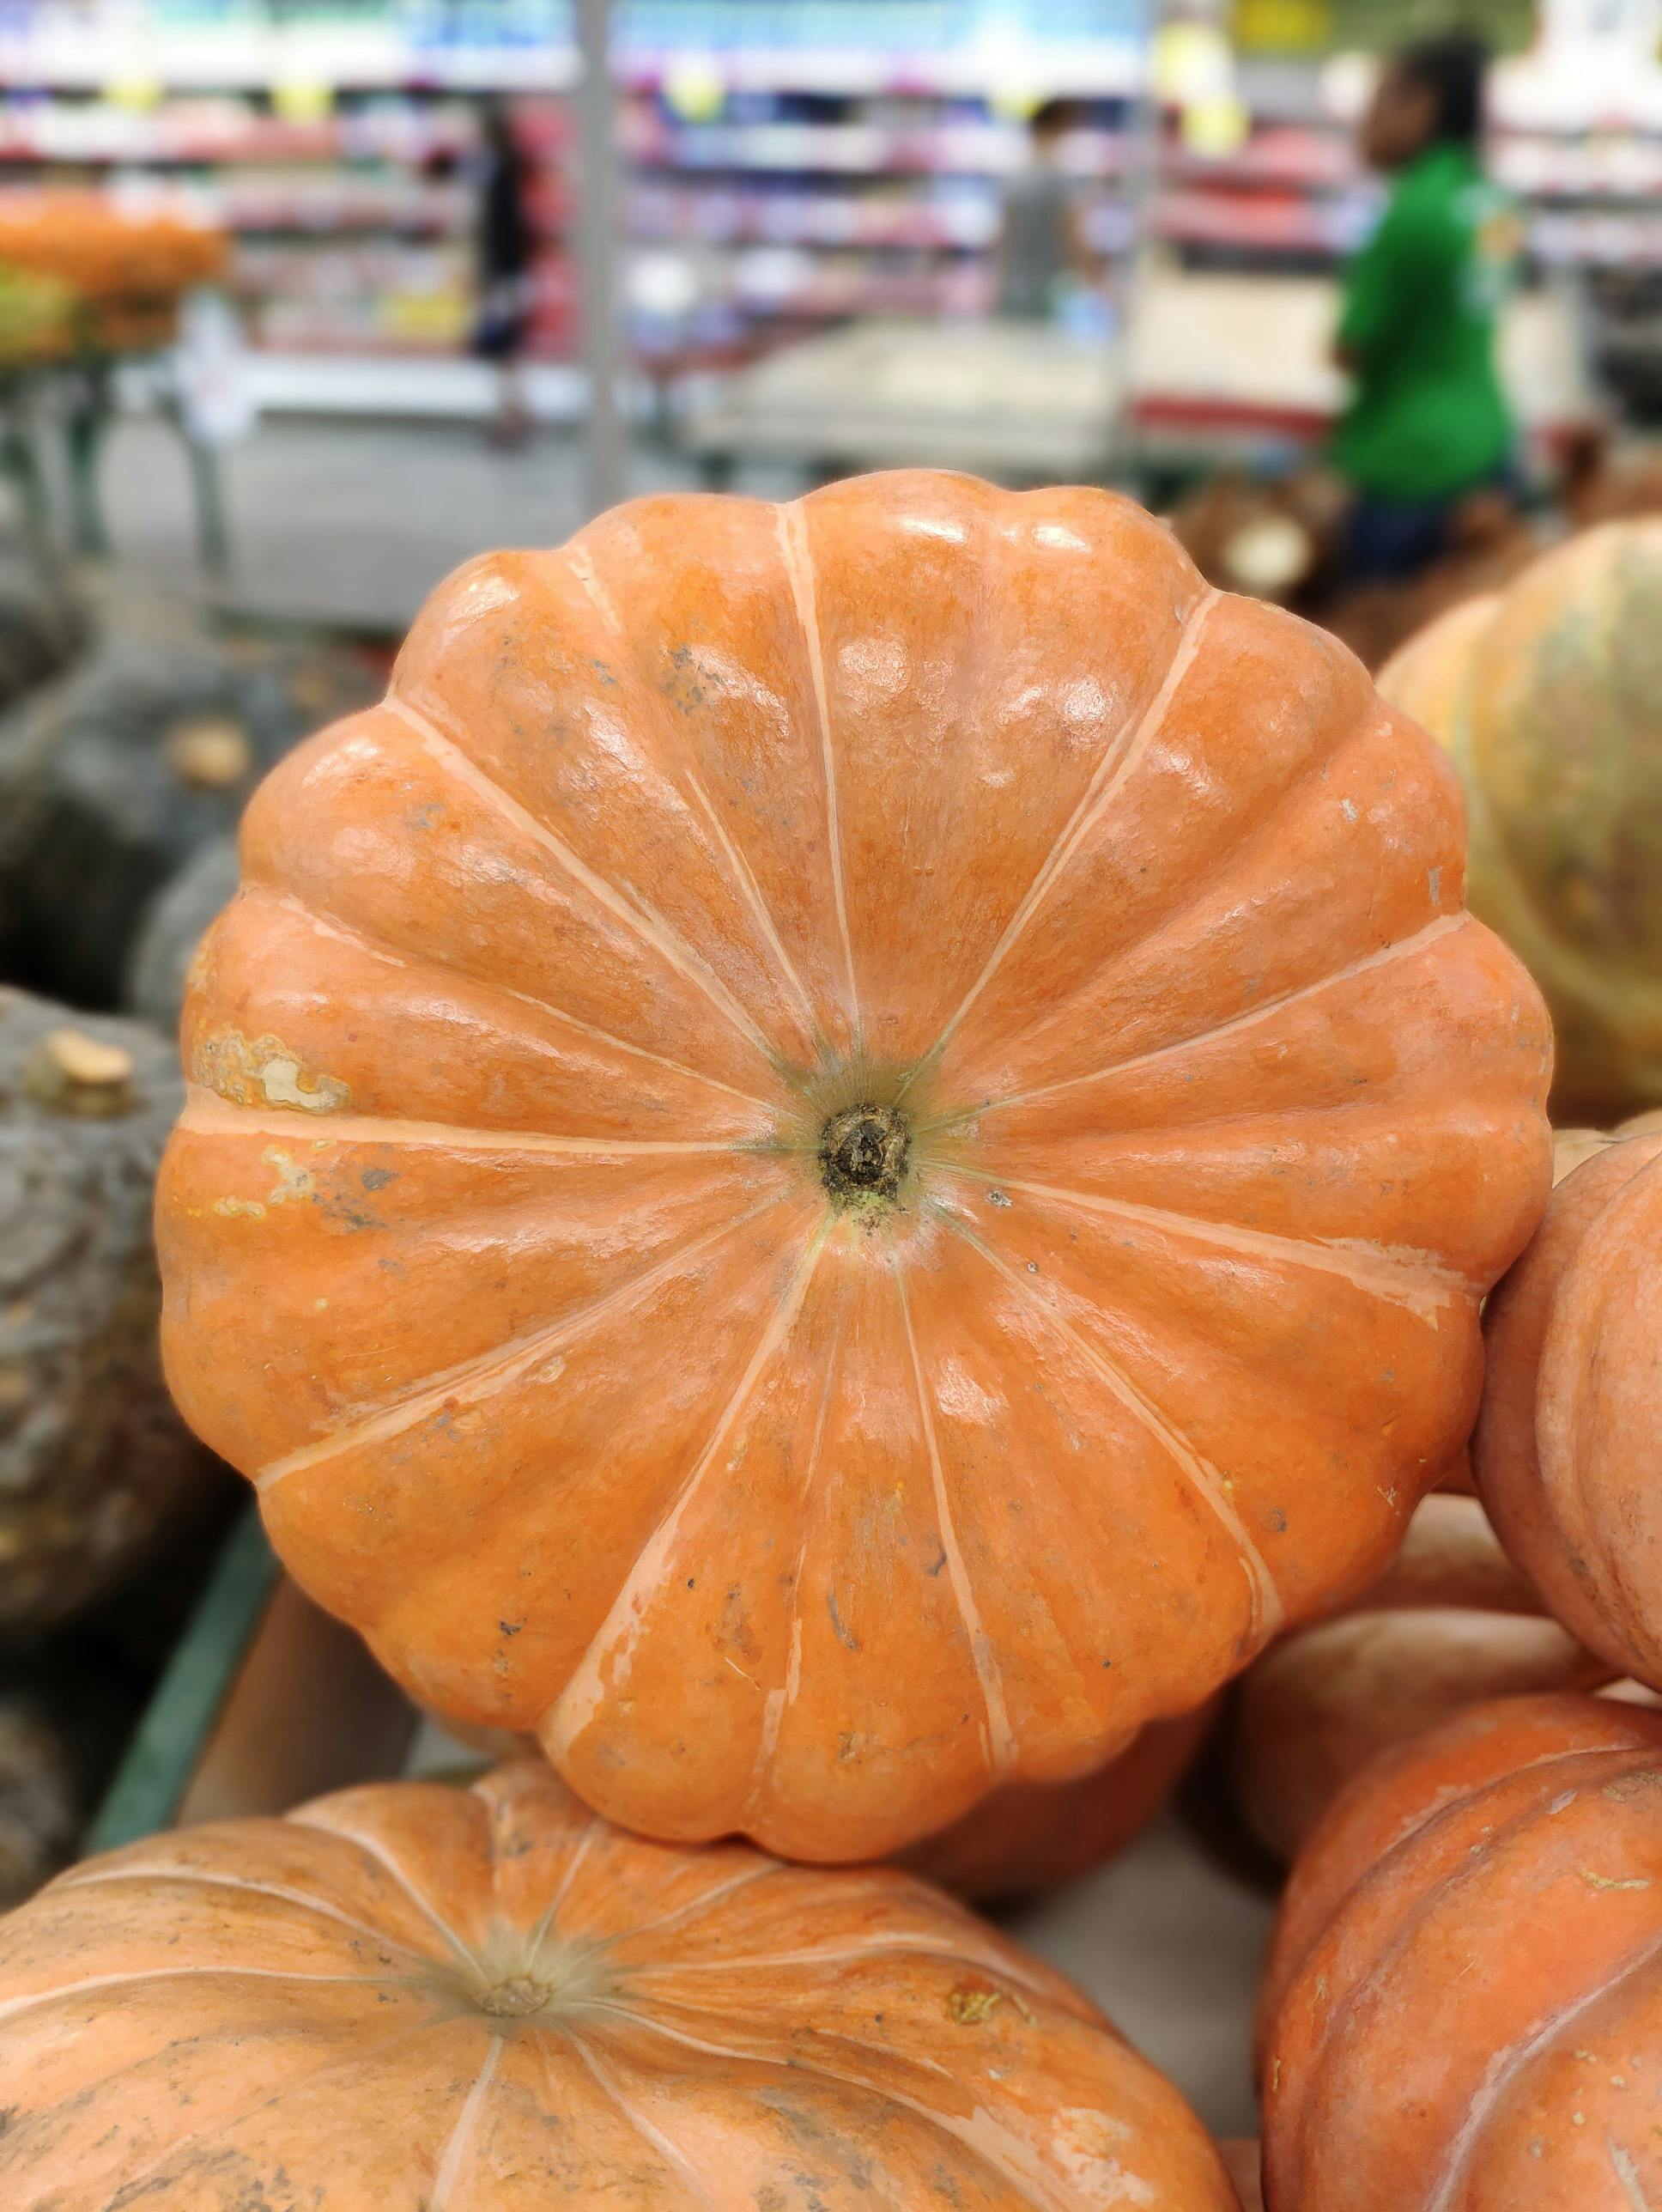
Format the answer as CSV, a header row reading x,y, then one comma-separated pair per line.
x,y
1427,424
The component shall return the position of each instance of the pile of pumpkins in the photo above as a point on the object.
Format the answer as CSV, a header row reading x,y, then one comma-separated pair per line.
x,y
129,739
845,1158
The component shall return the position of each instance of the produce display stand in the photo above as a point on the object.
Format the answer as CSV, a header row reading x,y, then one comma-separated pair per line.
x,y
1214,366
80,396
267,1701
1008,398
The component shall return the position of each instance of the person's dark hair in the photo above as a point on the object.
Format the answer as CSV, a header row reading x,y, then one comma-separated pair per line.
x,y
1050,119
1451,68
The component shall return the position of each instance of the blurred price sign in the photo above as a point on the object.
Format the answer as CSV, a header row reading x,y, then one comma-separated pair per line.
x,y
1284,27
298,101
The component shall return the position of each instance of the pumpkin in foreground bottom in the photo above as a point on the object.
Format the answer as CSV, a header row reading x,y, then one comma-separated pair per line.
x,y
408,1998
847,1151
1463,2006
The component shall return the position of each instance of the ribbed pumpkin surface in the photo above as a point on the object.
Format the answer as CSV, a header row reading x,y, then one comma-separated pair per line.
x,y
847,1151
1546,695
406,1998
1463,2008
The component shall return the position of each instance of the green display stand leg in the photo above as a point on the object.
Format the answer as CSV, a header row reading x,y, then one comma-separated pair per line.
x,y
22,464
83,436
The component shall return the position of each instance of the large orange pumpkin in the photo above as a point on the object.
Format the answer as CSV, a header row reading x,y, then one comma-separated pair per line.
x,y
1451,1622
847,1151
1570,1437
1462,2011
405,1998
1548,696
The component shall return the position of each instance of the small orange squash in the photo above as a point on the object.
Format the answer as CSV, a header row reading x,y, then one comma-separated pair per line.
x,y
1569,1439
1463,2008
407,1998
847,1151
1547,696
1036,1835
1451,1623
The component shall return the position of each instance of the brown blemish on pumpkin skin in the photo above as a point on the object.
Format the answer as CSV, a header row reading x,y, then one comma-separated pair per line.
x,y
264,1072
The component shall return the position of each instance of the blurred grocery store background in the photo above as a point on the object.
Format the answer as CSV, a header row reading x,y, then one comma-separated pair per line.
x,y
790,215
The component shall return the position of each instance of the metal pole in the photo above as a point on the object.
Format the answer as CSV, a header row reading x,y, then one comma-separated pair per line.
x,y
598,256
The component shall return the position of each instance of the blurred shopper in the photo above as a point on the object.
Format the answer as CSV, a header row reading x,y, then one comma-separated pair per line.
x,y
1428,428
505,240
1042,252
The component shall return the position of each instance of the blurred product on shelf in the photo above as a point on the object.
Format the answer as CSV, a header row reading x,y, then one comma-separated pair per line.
x,y
125,261
1544,695
1452,1621
170,930
96,1468
112,777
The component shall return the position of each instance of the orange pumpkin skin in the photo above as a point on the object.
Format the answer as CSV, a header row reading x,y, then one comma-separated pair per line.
x,y
406,1998
1462,2005
1242,2160
1570,1434
1036,1835
1451,1623
847,1151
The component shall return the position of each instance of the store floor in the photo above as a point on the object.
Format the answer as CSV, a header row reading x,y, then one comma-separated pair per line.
x,y
354,522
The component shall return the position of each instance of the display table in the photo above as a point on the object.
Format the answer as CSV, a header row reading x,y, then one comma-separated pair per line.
x,y
1213,366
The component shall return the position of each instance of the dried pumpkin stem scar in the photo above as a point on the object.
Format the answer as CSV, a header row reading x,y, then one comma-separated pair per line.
x,y
862,1152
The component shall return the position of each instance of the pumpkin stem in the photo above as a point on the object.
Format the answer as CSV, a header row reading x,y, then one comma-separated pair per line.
x,y
862,1152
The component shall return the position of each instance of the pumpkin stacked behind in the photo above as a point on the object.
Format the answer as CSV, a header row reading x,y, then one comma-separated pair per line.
x,y
1451,1622
1548,696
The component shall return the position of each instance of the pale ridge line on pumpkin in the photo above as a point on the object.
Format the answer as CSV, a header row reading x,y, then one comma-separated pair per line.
x,y
1327,1258
550,1912
648,926
1012,2161
691,1909
1506,2066
454,2155
879,1947
326,925
1401,948
585,1692
207,1114
1109,775
220,2123
582,567
798,562
779,1702
193,1878
1000,1747
1623,2165
384,1859
670,2153
361,941
1267,1611
11,2008
495,1370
